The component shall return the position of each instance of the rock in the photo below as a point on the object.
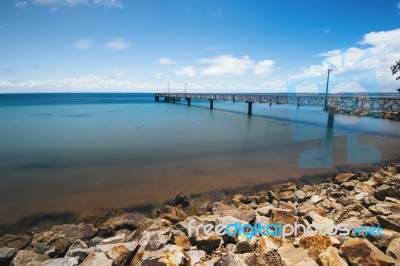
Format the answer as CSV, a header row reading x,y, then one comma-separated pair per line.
x,y
128,221
14,241
283,216
295,257
317,219
119,254
195,256
288,186
391,222
330,257
6,255
341,178
266,244
229,260
359,251
172,214
78,244
181,241
314,245
114,240
95,241
182,199
80,253
316,199
208,243
97,258
155,239
384,191
168,255
60,247
60,262
300,195
385,208
393,249
363,187
264,211
28,257
247,216
81,231
361,195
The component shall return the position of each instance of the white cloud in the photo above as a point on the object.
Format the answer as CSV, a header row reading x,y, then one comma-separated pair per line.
x,y
83,44
165,61
377,51
21,4
117,44
188,71
226,65
72,3
86,83
264,68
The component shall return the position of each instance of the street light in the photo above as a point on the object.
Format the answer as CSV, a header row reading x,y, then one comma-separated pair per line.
x,y
326,92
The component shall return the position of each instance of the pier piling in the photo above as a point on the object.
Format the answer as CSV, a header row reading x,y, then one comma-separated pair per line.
x,y
211,103
250,107
331,116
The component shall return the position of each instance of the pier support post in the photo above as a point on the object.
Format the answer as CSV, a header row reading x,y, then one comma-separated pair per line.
x,y
331,116
298,102
188,101
173,99
211,103
250,107
156,98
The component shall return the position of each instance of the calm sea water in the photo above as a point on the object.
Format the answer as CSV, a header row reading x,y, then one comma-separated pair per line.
x,y
83,152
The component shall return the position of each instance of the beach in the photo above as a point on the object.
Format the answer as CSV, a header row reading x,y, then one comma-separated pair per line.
x,y
367,204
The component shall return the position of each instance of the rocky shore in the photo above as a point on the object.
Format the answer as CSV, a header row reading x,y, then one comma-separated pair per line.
x,y
372,113
123,238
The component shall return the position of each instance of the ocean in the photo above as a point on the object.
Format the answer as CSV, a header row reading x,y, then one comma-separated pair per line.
x,y
80,153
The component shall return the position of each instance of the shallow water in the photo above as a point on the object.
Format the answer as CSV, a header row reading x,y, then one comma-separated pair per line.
x,y
74,152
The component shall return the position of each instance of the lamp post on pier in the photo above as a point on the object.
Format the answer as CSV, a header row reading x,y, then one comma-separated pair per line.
x,y
326,92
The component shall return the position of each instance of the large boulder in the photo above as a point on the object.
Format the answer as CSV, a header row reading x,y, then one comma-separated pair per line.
x,y
361,252
15,241
330,257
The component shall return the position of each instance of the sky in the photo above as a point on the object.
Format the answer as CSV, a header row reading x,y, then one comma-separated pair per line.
x,y
209,45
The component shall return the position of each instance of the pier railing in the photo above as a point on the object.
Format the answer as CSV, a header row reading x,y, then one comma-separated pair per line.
x,y
344,101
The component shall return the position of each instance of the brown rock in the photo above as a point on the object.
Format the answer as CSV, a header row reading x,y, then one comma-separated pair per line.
x,y
391,222
14,241
181,241
361,252
341,178
283,216
393,249
208,243
314,245
295,257
28,257
173,214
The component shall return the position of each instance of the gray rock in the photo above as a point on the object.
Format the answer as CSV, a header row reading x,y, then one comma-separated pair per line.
x,y
79,253
229,260
78,244
60,262
384,191
196,256
6,255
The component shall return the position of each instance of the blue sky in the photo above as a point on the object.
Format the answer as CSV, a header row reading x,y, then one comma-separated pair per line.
x,y
212,45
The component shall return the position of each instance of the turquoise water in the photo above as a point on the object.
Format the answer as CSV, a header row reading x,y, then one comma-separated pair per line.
x,y
85,152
